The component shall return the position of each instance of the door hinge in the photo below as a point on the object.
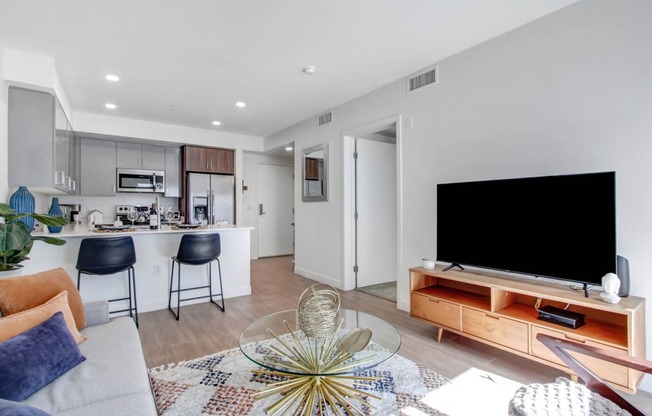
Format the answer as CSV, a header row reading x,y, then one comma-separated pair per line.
x,y
355,155
355,269
355,216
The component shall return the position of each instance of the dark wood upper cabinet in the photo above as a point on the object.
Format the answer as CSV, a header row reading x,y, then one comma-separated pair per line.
x,y
312,169
208,160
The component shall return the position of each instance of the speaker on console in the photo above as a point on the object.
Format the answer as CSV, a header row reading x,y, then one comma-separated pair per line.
x,y
622,271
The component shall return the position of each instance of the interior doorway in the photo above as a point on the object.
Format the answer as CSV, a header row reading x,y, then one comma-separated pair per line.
x,y
275,210
268,200
375,231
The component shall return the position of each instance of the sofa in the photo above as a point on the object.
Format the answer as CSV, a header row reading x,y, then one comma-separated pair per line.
x,y
113,379
62,356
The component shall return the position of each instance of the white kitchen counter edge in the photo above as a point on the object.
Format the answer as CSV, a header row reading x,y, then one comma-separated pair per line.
x,y
82,231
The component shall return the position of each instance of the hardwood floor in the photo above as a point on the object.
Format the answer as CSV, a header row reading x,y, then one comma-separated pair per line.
x,y
203,329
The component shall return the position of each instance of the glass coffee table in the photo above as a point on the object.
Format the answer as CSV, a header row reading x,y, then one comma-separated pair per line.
x,y
316,373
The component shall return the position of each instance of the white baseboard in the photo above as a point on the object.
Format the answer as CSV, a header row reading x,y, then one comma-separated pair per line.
x,y
319,277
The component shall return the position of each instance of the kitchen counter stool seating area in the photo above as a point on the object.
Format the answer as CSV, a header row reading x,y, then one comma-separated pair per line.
x,y
108,256
196,250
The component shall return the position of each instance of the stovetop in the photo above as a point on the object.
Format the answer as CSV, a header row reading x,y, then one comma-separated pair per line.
x,y
143,214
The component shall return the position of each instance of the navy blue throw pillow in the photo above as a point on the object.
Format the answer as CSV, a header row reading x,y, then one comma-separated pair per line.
x,y
31,360
9,408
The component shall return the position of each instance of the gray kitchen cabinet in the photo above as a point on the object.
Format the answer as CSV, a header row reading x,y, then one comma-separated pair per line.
x,y
140,156
40,140
173,172
97,167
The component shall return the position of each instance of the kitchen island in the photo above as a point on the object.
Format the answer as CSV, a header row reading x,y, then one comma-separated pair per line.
x,y
153,251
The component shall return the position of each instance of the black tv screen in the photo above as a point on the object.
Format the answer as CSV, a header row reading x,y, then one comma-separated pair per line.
x,y
561,227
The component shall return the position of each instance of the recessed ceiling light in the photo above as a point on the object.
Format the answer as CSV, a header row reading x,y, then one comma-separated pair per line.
x,y
240,104
110,106
289,148
112,78
217,123
309,70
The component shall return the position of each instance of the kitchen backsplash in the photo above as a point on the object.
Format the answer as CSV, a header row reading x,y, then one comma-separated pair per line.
x,y
106,204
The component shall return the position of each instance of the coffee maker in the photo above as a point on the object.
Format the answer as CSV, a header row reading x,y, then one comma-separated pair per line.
x,y
71,212
75,213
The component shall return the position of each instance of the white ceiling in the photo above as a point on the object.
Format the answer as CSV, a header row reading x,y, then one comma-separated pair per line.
x,y
188,62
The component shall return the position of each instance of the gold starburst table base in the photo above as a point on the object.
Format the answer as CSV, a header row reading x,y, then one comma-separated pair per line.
x,y
315,376
301,394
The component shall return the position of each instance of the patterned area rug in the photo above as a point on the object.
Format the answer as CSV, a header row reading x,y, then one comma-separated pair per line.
x,y
222,383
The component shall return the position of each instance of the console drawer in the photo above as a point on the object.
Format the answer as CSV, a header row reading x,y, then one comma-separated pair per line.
x,y
495,328
606,370
436,311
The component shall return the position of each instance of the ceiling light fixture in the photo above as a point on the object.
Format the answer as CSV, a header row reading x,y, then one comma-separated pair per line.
x,y
309,70
240,104
110,106
217,123
289,148
112,78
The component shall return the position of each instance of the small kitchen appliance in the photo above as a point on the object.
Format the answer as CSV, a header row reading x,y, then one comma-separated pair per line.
x,y
142,217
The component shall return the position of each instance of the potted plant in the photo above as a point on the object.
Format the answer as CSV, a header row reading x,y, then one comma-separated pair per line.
x,y
15,239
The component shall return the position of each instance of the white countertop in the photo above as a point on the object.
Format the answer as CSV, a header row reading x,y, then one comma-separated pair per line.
x,y
81,230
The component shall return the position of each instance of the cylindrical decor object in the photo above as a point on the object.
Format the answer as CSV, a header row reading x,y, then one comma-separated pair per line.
x,y
22,202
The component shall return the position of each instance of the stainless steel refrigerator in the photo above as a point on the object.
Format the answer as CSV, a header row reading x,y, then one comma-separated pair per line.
x,y
212,196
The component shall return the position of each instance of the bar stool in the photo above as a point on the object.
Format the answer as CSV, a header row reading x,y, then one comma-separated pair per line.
x,y
195,250
105,256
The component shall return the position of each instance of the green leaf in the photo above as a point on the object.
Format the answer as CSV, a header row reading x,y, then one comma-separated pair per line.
x,y
50,240
6,211
49,219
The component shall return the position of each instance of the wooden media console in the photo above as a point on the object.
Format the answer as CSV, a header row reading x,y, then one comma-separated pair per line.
x,y
500,311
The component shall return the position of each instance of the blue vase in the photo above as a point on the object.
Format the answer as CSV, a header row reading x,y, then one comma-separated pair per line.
x,y
55,211
22,202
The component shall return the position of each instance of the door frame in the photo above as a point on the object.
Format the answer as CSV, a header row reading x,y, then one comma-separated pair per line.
x,y
349,194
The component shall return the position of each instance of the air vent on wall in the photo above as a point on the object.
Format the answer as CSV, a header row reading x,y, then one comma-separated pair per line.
x,y
325,118
421,80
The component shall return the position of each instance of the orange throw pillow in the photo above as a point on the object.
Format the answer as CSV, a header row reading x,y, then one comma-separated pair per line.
x,y
20,322
25,292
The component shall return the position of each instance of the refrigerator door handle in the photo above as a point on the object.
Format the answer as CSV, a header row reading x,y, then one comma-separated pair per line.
x,y
212,220
260,209
209,207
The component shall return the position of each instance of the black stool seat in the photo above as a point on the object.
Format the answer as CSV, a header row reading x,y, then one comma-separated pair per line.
x,y
196,250
106,256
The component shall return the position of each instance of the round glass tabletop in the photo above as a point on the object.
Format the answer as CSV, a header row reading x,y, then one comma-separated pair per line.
x,y
277,343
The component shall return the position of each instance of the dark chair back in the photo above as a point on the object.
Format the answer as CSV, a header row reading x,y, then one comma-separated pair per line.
x,y
106,255
199,248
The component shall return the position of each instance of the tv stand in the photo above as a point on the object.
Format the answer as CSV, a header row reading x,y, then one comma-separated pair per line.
x,y
450,266
499,310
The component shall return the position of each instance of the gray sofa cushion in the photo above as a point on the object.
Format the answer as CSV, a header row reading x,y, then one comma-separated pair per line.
x,y
113,375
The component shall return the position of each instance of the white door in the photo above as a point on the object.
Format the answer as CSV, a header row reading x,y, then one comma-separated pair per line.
x,y
376,208
275,216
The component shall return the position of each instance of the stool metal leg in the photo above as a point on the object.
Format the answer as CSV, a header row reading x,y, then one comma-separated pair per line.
x,y
178,291
219,270
133,279
176,315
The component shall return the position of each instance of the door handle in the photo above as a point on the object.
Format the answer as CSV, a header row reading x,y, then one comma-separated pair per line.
x,y
260,209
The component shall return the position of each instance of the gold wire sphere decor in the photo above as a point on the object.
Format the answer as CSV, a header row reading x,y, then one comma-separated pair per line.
x,y
317,308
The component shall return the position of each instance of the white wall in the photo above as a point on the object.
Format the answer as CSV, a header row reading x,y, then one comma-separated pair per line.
x,y
4,162
35,71
568,93
250,196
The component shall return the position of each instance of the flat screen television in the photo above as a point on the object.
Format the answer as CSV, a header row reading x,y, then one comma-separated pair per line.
x,y
559,227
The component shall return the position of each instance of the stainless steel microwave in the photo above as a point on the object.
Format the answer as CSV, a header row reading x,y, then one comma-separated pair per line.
x,y
140,180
